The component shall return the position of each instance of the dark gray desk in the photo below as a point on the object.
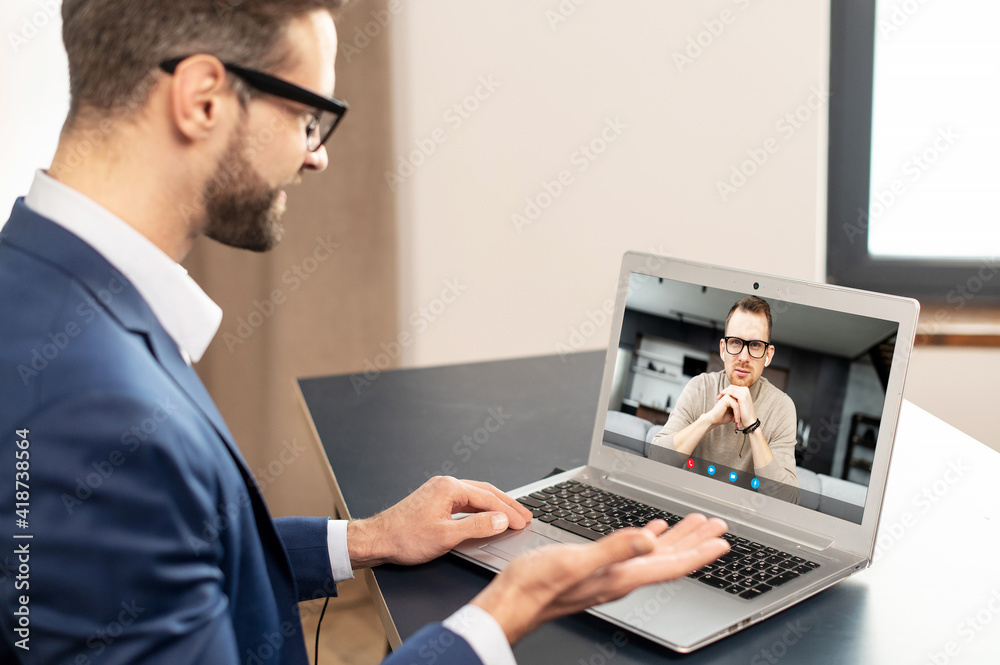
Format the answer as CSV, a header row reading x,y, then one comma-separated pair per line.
x,y
932,595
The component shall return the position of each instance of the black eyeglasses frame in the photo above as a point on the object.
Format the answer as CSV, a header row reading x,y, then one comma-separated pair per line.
x,y
745,343
272,85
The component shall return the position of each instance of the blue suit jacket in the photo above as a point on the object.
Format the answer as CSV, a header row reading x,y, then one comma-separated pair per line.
x,y
150,541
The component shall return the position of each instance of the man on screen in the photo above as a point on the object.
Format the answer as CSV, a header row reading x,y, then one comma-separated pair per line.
x,y
736,418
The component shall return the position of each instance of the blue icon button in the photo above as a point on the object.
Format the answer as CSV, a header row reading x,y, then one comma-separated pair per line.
x,y
711,469
732,476
755,483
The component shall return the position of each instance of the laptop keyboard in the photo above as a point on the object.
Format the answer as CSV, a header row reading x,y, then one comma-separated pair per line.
x,y
747,570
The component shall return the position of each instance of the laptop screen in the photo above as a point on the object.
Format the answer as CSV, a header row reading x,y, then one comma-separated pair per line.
x,y
785,401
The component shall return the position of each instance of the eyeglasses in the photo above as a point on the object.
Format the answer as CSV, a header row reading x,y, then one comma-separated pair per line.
x,y
327,112
756,347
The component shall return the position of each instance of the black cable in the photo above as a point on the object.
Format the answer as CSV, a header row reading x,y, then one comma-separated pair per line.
x,y
318,624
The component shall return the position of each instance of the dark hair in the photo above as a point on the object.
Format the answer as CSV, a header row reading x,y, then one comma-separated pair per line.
x,y
115,46
754,305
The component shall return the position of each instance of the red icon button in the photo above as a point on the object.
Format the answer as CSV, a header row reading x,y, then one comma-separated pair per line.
x,y
690,463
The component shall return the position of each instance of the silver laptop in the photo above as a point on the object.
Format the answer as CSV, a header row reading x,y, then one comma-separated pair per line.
x,y
797,525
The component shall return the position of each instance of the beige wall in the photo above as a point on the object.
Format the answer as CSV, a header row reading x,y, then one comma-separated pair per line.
x,y
653,188
525,291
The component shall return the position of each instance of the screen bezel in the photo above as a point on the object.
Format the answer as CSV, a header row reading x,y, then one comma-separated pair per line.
x,y
630,468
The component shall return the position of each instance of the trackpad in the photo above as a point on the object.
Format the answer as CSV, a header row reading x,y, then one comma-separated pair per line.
x,y
518,543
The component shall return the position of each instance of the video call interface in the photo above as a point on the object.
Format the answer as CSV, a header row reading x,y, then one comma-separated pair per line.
x,y
833,367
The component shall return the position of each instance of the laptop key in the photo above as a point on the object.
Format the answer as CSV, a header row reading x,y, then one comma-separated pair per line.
x,y
753,592
546,519
577,529
713,581
782,578
531,503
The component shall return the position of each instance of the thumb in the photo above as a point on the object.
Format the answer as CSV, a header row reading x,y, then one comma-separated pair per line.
x,y
481,525
620,546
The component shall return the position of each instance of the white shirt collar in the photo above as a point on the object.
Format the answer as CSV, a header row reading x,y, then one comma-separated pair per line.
x,y
188,315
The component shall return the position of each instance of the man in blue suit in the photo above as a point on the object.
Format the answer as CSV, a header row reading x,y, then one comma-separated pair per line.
x,y
140,534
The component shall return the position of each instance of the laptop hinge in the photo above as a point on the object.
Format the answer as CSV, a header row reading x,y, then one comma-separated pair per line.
x,y
748,517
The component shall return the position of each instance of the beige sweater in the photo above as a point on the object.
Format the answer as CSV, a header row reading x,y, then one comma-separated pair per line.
x,y
721,444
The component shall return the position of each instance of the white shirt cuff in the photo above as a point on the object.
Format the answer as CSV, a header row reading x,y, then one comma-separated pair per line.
x,y
477,627
336,543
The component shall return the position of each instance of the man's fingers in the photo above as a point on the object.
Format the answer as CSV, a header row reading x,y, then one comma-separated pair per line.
x,y
733,406
479,525
691,531
469,497
682,528
503,496
674,563
619,546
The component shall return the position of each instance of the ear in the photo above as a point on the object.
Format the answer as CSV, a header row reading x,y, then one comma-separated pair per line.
x,y
768,355
198,95
722,350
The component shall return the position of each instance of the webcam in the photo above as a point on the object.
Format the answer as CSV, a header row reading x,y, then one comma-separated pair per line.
x,y
756,285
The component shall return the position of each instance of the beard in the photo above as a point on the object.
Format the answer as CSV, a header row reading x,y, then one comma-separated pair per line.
x,y
241,208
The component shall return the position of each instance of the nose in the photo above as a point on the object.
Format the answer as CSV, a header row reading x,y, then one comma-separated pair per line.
x,y
745,350
316,160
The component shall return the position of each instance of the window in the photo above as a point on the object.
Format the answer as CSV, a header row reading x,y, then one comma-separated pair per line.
x,y
914,156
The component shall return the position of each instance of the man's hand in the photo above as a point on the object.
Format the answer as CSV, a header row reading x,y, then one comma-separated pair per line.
x,y
420,527
562,579
723,411
738,401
